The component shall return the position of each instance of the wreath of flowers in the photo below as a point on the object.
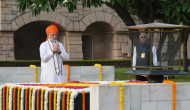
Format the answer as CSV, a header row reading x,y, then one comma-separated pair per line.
x,y
14,98
4,97
26,98
18,98
50,100
55,94
83,100
42,99
63,100
14,95
38,98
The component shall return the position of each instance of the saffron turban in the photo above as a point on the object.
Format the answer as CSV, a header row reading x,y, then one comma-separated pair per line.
x,y
52,28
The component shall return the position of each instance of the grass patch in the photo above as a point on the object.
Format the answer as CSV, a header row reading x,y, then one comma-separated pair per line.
x,y
119,75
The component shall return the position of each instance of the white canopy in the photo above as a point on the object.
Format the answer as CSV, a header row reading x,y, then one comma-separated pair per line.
x,y
156,26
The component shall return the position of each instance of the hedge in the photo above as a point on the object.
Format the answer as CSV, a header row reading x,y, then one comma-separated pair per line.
x,y
27,63
116,63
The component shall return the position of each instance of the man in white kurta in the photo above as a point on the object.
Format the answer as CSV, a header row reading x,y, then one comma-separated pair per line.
x,y
52,54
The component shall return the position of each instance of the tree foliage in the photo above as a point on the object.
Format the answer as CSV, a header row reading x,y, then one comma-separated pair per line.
x,y
45,5
177,10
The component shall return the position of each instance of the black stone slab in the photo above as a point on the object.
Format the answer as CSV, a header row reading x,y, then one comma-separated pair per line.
x,y
156,72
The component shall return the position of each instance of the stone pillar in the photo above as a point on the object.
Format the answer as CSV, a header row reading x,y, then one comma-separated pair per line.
x,y
74,45
7,46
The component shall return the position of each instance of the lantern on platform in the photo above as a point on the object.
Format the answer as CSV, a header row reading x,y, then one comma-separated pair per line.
x,y
155,50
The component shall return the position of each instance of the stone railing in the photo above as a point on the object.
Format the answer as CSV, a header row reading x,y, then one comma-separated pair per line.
x,y
77,73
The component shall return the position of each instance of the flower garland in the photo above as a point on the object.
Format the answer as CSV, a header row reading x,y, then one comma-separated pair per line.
x,y
4,97
46,99
68,99
59,98
7,98
38,99
68,67
101,78
33,97
26,98
1,97
121,93
14,98
83,100
72,99
35,72
30,94
22,98
50,100
11,91
42,97
74,87
55,94
18,98
173,92
63,100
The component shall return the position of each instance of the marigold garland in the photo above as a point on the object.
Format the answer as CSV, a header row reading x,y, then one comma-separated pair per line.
x,y
121,93
30,98
55,94
42,99
68,99
26,98
35,72
173,92
63,100
7,98
4,97
83,100
101,78
18,98
68,67
38,98
14,98
50,99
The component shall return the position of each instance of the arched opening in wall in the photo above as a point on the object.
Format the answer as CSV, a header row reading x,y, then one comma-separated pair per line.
x,y
97,41
28,38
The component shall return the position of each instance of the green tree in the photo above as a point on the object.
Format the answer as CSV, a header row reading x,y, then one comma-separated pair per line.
x,y
178,11
168,11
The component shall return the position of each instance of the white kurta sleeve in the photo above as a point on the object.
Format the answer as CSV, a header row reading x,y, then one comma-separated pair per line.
x,y
63,54
154,56
43,53
134,58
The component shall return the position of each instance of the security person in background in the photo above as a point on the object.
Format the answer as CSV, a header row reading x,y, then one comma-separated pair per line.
x,y
141,55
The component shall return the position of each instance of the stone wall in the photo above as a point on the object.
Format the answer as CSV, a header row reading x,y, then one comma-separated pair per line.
x,y
140,97
74,45
79,20
74,24
7,46
119,41
77,73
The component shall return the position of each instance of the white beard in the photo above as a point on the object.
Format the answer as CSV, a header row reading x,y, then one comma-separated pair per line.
x,y
52,40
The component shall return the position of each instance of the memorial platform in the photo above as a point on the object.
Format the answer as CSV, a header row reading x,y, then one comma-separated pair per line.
x,y
99,95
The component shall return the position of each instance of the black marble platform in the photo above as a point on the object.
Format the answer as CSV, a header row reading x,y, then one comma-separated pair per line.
x,y
155,76
156,72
